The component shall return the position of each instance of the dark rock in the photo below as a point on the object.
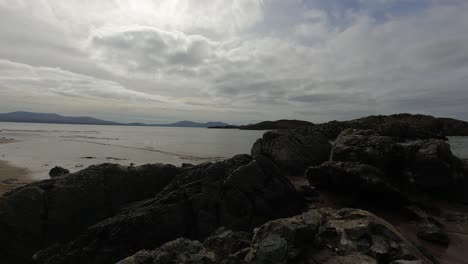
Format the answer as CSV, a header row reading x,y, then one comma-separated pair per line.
x,y
180,251
401,127
10,181
364,182
239,193
347,236
58,171
41,213
224,247
434,168
225,243
328,236
278,124
187,165
308,191
292,151
432,233
368,147
330,130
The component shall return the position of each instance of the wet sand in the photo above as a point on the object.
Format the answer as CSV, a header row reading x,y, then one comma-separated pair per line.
x,y
11,176
4,140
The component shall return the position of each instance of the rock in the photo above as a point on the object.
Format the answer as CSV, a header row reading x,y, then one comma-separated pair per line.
x,y
434,168
364,182
10,181
423,167
187,165
180,251
57,172
292,151
44,212
330,130
239,193
224,247
432,233
308,191
346,236
329,236
368,147
226,243
401,127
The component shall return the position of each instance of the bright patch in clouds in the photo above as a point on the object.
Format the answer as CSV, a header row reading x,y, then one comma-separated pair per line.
x,y
236,61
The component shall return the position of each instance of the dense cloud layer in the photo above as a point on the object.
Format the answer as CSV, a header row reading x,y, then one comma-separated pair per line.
x,y
236,61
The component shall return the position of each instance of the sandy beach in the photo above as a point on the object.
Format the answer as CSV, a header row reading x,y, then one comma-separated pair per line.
x,y
11,176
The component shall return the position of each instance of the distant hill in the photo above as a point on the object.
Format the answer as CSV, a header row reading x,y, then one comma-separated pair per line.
x,y
270,125
29,117
194,124
279,124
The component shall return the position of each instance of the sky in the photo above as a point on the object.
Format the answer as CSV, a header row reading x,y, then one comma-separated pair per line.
x,y
237,61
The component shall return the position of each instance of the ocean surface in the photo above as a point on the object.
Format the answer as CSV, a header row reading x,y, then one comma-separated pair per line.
x,y
40,147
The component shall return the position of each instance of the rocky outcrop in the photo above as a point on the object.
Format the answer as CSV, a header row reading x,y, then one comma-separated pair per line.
x,y
278,124
292,151
400,127
426,166
431,232
239,193
316,236
365,183
58,171
368,147
179,251
328,236
432,167
39,214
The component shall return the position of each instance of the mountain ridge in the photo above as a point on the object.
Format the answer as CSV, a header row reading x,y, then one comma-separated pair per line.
x,y
53,118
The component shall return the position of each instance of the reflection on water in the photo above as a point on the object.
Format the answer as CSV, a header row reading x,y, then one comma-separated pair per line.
x,y
459,146
42,146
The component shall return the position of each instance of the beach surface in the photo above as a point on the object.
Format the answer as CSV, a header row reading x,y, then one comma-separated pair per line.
x,y
11,176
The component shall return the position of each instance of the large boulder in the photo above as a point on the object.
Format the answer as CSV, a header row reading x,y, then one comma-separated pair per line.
x,y
58,171
328,236
368,147
425,166
432,167
179,251
363,182
41,213
432,233
346,236
291,151
239,193
223,247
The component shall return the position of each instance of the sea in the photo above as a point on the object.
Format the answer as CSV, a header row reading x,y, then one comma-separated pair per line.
x,y
40,147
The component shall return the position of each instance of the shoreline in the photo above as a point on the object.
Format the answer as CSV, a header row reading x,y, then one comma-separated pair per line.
x,y
7,140
12,177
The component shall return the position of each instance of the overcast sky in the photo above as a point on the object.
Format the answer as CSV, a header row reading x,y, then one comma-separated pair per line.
x,y
237,61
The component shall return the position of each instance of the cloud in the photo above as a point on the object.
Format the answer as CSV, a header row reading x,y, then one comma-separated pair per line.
x,y
314,60
148,50
53,81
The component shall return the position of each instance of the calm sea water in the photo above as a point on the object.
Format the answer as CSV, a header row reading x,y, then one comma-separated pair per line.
x,y
43,146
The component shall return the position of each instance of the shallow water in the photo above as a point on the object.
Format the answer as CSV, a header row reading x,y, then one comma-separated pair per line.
x,y
42,146
459,146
